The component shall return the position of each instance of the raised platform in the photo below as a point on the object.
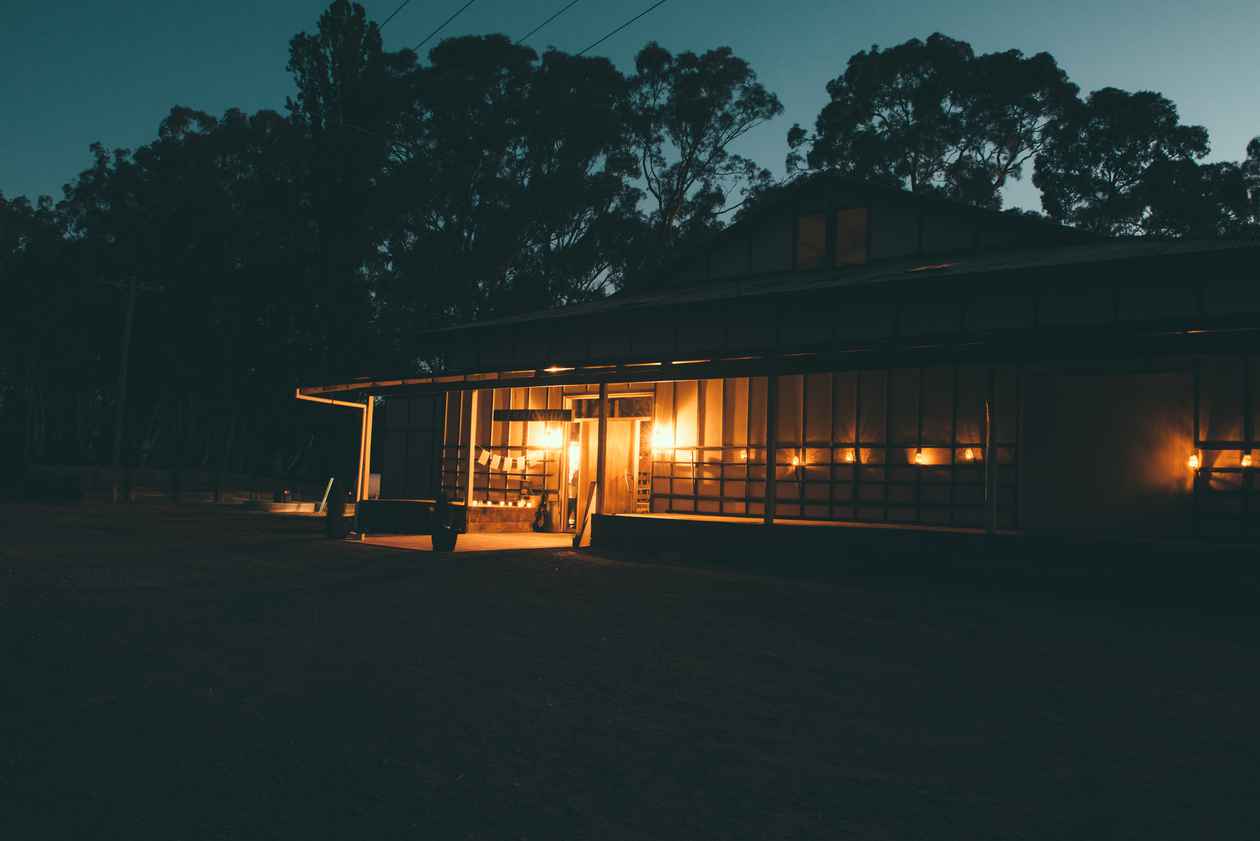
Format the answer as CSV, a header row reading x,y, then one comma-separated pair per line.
x,y
787,545
415,516
822,547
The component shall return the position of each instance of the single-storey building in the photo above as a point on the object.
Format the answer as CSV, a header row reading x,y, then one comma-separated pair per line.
x,y
850,354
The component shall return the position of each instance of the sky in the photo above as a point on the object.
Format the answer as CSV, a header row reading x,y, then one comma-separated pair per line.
x,y
74,72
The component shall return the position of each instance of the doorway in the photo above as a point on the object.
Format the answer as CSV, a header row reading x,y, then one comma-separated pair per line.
x,y
624,470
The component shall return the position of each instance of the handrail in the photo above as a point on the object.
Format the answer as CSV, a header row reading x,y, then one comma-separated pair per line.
x,y
590,497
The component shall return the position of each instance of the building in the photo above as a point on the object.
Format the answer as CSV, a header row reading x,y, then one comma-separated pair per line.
x,y
854,354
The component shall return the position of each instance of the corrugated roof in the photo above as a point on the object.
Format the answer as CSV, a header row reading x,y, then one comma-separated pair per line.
x,y
883,272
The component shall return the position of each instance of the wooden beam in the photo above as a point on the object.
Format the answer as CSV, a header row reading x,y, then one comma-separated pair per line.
x,y
472,448
601,457
365,449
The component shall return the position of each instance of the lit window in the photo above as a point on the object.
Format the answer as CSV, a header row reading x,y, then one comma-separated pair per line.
x,y
811,242
851,236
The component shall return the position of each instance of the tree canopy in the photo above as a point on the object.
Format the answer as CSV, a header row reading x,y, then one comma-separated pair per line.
x,y
933,117
395,193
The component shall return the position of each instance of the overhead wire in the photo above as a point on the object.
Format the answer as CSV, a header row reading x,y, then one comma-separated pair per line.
x,y
443,24
402,6
649,9
534,31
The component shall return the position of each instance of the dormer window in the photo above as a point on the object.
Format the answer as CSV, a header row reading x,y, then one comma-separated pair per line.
x,y
849,243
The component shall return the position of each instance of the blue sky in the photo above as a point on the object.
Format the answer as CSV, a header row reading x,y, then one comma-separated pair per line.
x,y
73,72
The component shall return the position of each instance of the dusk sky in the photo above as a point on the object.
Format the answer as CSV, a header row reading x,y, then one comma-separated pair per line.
x,y
77,72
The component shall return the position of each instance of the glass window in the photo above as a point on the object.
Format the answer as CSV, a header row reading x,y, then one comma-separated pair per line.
x,y
851,236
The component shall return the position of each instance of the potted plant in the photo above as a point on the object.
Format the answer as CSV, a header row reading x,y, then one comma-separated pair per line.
x,y
444,534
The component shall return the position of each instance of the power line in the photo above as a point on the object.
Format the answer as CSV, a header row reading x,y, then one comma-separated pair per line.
x,y
391,15
443,24
547,21
623,26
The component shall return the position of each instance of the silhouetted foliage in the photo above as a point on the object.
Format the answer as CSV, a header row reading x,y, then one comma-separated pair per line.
x,y
508,186
394,195
685,112
933,117
1106,160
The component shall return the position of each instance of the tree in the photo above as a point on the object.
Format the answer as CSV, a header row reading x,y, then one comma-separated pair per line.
x,y
1110,156
686,112
932,117
349,99
509,184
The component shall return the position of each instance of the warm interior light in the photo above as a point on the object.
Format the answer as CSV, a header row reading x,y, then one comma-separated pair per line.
x,y
662,437
969,454
1246,460
849,456
1193,461
556,369
553,438
918,457
796,461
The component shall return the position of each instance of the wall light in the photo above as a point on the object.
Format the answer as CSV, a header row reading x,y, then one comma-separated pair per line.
x,y
969,454
849,456
1193,462
796,461
662,437
553,438
1245,461
918,457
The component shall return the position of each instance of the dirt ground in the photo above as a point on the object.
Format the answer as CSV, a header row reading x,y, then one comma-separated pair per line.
x,y
199,674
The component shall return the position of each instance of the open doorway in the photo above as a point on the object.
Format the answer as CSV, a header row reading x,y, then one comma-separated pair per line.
x,y
627,458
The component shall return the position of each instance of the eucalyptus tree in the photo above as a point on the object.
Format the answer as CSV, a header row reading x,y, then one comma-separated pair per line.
x,y
1112,155
687,111
509,186
933,117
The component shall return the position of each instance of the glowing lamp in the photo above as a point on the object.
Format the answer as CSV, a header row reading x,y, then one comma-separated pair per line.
x,y
918,457
849,456
662,437
1193,462
796,461
1246,460
969,454
553,438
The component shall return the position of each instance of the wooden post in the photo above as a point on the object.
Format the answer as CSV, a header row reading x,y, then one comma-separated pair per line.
x,y
990,452
601,457
772,449
365,448
472,450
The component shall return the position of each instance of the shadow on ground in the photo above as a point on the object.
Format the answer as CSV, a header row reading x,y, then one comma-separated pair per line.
x,y
198,673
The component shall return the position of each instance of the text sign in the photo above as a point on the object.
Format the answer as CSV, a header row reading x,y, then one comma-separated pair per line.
x,y
533,414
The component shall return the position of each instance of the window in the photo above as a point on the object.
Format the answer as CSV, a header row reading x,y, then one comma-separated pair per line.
x,y
851,224
811,242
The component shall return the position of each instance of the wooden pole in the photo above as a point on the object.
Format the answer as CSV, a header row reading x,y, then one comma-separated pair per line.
x,y
472,451
365,449
601,458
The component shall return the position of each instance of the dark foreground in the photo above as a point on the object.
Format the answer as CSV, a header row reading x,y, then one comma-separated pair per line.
x,y
190,674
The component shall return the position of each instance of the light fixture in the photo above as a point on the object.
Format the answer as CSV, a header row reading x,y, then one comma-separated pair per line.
x,y
553,438
662,437
849,456
556,369
1193,462
796,461
918,457
969,454
1245,461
